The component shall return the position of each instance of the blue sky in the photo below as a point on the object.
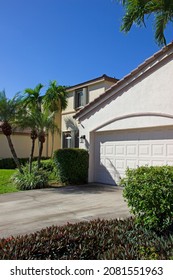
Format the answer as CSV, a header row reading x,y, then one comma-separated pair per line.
x,y
70,41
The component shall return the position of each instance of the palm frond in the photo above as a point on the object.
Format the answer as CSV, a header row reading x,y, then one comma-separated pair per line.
x,y
161,21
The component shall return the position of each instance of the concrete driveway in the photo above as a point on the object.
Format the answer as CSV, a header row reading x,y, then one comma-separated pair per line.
x,y
29,211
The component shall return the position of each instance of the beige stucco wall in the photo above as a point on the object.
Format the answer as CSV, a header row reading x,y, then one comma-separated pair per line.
x,y
151,92
57,137
22,145
94,90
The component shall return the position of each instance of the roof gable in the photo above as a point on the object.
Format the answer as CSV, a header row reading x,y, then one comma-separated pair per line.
x,y
93,81
126,80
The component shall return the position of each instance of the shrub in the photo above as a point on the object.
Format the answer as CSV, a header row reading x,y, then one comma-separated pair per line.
x,y
47,164
8,163
72,165
149,193
27,181
97,239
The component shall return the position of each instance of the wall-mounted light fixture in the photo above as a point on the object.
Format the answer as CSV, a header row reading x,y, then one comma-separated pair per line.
x,y
82,138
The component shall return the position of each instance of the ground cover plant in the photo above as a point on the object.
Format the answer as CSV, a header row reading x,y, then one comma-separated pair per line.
x,y
6,185
97,239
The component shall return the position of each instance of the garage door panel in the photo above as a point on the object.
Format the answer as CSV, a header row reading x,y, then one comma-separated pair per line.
x,y
120,150
169,149
114,152
131,150
109,150
144,150
131,163
158,150
144,162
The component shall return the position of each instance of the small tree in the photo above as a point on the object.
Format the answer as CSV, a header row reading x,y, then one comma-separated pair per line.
x,y
44,123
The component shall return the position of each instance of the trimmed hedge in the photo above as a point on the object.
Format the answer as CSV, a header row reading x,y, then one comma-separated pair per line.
x,y
94,240
8,163
149,193
72,165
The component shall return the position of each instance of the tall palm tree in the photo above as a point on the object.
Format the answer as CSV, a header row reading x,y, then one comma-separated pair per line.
x,y
9,108
31,103
136,10
55,100
32,98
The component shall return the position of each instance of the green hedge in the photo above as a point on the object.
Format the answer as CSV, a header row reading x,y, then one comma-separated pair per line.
x,y
94,240
72,165
8,163
149,193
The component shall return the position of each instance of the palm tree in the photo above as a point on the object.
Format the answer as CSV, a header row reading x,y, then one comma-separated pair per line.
x,y
27,120
44,122
55,100
31,104
136,10
9,108
33,99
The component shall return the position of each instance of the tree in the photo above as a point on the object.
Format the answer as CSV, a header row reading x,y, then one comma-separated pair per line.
x,y
31,104
33,98
55,100
9,108
44,122
137,10
27,120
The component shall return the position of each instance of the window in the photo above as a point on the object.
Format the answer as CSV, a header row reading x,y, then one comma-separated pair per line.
x,y
70,139
66,139
80,98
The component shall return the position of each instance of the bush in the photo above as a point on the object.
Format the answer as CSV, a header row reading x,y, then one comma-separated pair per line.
x,y
8,163
27,181
94,240
47,165
72,165
149,193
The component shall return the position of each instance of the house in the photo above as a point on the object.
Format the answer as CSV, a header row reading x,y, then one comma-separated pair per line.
x,y
78,97
131,124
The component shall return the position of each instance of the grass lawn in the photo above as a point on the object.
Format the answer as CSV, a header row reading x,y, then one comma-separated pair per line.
x,y
6,186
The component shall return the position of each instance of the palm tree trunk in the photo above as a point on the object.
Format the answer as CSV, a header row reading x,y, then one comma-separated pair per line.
x,y
31,155
14,153
40,153
53,134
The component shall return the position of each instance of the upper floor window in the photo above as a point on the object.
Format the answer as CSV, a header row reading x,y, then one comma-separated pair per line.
x,y
80,98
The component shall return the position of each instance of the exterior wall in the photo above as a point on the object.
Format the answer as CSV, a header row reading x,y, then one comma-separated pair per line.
x,y
56,142
70,106
22,145
144,101
94,90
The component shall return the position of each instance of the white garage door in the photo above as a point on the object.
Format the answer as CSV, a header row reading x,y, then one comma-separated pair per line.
x,y
115,151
